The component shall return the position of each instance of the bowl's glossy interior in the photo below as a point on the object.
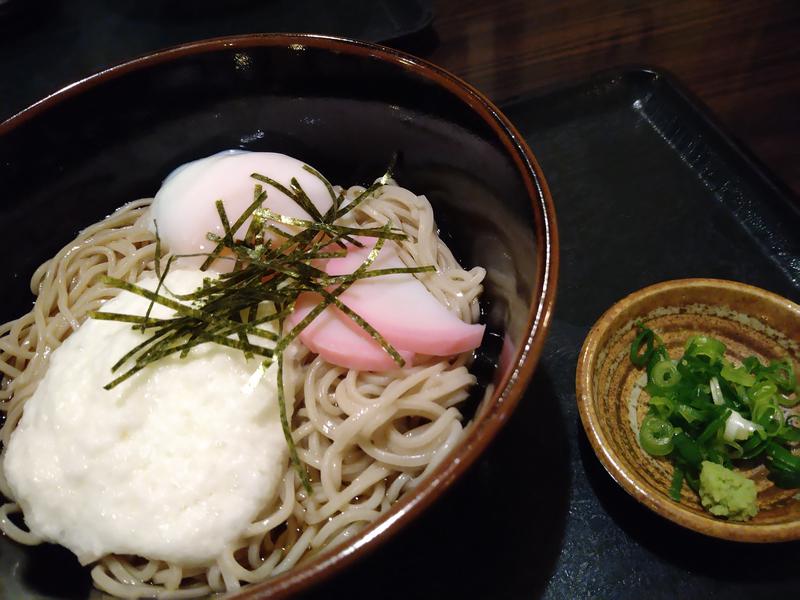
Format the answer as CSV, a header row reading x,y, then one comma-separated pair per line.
x,y
345,108
748,320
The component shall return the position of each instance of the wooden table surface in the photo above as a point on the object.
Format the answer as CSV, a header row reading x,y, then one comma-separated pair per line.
x,y
740,57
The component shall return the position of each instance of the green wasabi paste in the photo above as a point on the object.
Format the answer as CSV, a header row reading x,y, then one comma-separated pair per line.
x,y
726,493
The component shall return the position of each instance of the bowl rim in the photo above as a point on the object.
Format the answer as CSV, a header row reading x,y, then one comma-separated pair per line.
x,y
512,386
656,501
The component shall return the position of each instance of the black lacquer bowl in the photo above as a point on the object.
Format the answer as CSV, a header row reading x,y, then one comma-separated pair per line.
x,y
345,107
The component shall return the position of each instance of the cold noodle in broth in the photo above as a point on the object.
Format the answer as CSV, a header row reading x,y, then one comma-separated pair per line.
x,y
370,403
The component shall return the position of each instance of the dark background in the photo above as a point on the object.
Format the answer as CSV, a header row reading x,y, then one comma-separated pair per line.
x,y
646,189
740,57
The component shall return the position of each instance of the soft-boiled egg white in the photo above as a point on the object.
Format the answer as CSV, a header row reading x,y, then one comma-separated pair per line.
x,y
184,208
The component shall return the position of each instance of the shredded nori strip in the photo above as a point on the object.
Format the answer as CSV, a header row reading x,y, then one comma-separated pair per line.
x,y
272,267
287,430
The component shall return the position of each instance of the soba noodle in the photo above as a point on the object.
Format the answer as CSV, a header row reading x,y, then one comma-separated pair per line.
x,y
365,438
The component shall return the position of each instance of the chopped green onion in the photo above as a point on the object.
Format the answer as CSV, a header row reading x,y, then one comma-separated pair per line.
x,y
642,347
739,428
784,479
704,347
761,391
677,484
783,374
789,434
716,391
782,458
664,374
655,436
662,406
738,375
714,426
769,416
789,400
754,446
703,407
688,450
690,414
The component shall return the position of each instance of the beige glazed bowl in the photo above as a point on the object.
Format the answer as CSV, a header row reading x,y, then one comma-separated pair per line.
x,y
749,321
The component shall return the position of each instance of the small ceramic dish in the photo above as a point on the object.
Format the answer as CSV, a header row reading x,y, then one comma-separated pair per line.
x,y
749,321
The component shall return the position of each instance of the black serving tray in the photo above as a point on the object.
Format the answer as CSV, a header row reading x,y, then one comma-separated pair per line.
x,y
647,188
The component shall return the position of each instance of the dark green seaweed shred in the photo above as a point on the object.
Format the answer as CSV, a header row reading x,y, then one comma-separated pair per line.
x,y
272,267
287,430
